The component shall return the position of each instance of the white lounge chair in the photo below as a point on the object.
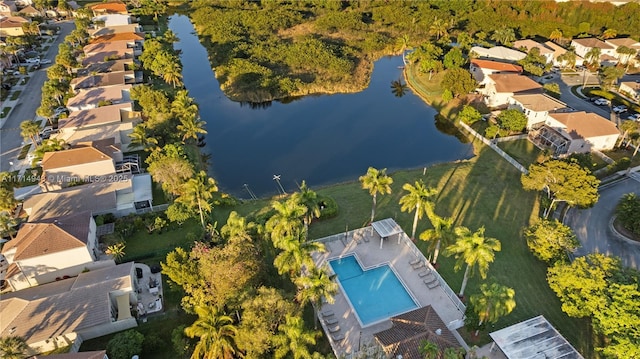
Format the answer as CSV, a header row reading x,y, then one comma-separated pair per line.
x,y
337,337
433,284
424,273
331,321
415,261
334,329
327,313
418,265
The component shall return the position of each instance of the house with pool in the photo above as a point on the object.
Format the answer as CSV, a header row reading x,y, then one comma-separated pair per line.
x,y
390,297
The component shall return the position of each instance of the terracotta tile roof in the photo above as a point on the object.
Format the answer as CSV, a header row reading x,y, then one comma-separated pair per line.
x,y
539,102
114,29
73,157
81,355
94,116
592,42
101,80
53,236
530,44
106,46
585,124
514,83
558,50
123,36
496,65
411,328
65,306
92,97
9,23
110,7
29,10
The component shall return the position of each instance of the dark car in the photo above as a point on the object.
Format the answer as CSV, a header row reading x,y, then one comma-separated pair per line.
x,y
139,272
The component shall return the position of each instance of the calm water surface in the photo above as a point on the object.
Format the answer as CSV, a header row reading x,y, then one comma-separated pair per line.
x,y
320,139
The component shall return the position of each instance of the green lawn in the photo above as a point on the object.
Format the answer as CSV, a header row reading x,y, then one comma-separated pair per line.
x,y
5,112
15,95
522,151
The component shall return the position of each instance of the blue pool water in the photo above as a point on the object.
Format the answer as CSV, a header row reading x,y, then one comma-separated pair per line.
x,y
375,294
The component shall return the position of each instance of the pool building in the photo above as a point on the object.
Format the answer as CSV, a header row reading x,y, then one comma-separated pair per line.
x,y
386,286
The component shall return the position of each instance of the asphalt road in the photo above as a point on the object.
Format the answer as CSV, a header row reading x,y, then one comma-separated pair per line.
x,y
29,101
592,229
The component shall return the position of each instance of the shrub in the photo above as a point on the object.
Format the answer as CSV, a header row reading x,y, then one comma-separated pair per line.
x,y
469,115
512,120
619,165
328,207
125,345
628,211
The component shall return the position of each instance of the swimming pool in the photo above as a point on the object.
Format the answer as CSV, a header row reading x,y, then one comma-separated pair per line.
x,y
375,294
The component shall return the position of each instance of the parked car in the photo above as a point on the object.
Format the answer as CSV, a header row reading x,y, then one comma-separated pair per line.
x,y
620,109
45,61
46,132
602,102
33,60
634,117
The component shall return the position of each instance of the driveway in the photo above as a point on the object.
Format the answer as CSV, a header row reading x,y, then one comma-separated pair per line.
x,y
592,229
29,101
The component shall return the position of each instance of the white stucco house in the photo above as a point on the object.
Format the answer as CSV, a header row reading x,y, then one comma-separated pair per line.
x,y
50,249
498,53
66,312
480,69
583,46
499,88
529,44
565,133
631,89
113,19
536,107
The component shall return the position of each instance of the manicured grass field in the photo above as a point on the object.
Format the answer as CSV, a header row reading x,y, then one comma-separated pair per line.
x,y
522,151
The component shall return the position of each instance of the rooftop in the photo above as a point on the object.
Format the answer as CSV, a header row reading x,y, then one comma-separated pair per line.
x,y
115,29
592,42
624,41
530,44
539,102
496,65
534,338
95,116
514,83
92,97
83,154
499,52
101,80
121,36
585,124
110,7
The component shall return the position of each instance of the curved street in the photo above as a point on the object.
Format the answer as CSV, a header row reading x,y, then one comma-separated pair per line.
x,y
592,229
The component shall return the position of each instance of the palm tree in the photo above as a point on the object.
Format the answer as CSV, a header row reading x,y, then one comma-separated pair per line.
x,y
30,129
170,37
453,353
172,74
198,192
556,35
376,181
403,43
140,137
191,127
474,250
429,349
443,233
13,348
183,105
439,28
417,199
609,33
309,199
295,255
293,339
493,302
625,53
315,286
398,88
216,332
593,56
568,59
504,36
7,224
236,228
286,222
116,251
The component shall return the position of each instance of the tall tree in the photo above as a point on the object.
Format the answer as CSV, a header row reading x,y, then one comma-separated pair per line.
x,y
376,181
505,36
216,332
198,192
309,199
429,349
286,221
403,42
172,74
30,129
191,127
140,136
562,181
13,348
443,233
556,35
7,224
550,241
439,28
493,301
293,340
417,199
593,57
609,33
314,287
458,81
475,250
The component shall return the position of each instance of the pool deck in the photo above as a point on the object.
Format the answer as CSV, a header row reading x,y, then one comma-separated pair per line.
x,y
399,254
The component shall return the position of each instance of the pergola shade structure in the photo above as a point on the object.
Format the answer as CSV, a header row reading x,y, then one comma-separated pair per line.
x,y
387,228
532,339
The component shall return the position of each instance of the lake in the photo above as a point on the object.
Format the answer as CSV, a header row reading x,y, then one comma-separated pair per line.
x,y
322,139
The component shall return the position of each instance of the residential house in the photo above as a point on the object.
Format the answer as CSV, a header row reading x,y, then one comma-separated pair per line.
x,y
558,51
120,194
630,89
409,330
626,42
124,40
536,107
117,29
533,338
99,96
583,46
565,133
529,44
108,51
102,354
12,26
69,311
118,131
480,69
104,80
112,20
30,12
48,249
107,66
7,8
112,7
500,87
498,53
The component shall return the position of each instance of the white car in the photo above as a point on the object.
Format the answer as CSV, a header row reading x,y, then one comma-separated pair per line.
x,y
602,102
45,61
634,117
33,60
620,109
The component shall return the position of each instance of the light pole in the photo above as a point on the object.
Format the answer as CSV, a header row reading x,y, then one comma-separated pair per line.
x,y
277,179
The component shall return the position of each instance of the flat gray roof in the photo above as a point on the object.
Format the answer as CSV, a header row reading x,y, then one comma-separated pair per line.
x,y
386,227
534,338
